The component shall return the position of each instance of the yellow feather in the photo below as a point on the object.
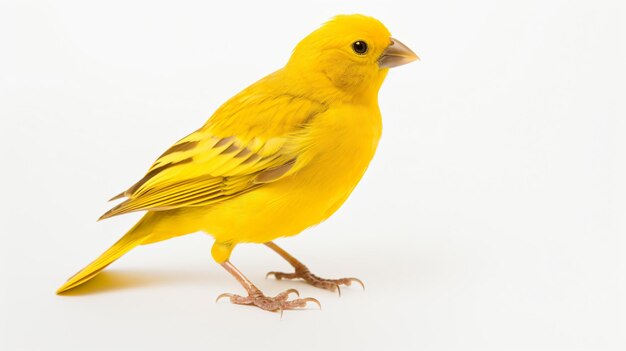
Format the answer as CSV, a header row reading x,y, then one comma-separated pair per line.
x,y
278,157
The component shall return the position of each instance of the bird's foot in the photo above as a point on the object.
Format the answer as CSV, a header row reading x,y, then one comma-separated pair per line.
x,y
302,272
279,302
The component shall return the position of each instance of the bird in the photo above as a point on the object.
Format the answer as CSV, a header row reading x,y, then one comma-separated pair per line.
x,y
280,156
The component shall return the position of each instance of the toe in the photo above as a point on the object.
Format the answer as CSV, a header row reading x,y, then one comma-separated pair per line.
x,y
281,275
300,303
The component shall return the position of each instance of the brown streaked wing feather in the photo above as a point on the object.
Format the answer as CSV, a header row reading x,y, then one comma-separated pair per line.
x,y
208,189
205,168
199,192
273,174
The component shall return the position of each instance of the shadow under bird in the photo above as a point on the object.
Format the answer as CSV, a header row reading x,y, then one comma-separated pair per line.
x,y
280,156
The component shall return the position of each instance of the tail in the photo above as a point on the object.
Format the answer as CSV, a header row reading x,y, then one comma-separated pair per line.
x,y
134,237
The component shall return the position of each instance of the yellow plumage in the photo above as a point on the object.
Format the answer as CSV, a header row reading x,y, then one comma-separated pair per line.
x,y
278,157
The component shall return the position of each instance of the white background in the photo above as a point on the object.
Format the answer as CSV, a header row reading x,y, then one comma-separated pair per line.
x,y
492,218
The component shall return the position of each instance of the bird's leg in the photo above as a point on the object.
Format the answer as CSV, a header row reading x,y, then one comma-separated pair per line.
x,y
304,273
256,297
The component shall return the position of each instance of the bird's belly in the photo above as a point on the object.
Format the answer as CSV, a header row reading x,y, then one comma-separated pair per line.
x,y
290,205
284,208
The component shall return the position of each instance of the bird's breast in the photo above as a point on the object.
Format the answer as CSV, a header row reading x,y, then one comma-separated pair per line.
x,y
343,144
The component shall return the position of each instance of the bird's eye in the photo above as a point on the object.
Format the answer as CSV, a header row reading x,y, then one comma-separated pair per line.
x,y
360,47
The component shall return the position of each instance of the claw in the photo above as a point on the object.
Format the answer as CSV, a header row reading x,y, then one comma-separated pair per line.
x,y
338,289
223,295
285,294
293,291
358,281
311,299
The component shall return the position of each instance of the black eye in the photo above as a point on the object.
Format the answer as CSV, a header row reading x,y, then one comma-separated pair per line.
x,y
360,47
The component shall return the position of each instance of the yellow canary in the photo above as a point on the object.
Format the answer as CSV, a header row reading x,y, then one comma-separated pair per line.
x,y
280,156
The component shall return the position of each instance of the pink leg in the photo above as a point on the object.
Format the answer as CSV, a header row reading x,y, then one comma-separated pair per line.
x,y
256,297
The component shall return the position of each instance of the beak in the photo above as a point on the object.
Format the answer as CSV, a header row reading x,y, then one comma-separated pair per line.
x,y
396,54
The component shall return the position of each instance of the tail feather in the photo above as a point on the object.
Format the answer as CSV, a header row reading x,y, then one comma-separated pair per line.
x,y
134,237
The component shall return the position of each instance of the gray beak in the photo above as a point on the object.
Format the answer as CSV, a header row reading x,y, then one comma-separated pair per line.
x,y
396,54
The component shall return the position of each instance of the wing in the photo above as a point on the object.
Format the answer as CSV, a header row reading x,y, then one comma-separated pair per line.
x,y
249,141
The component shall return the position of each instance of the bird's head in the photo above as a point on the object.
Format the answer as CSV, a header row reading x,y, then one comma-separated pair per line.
x,y
350,54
